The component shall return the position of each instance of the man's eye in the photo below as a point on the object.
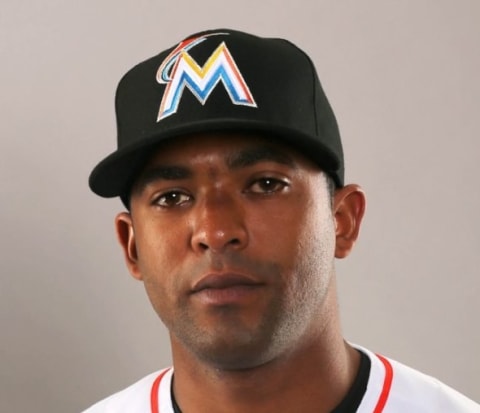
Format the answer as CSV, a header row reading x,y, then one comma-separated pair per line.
x,y
267,186
171,199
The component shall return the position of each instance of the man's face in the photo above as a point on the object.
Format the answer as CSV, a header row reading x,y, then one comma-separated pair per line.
x,y
234,239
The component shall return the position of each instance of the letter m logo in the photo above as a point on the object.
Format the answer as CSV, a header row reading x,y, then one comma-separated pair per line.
x,y
186,73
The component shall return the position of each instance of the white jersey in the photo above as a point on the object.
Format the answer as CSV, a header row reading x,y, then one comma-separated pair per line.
x,y
392,388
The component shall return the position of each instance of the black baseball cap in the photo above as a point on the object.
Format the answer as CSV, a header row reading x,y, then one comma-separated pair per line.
x,y
220,81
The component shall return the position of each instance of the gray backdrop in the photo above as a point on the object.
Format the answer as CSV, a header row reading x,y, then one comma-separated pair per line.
x,y
403,77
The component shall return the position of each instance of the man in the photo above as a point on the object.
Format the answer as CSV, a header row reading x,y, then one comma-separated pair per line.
x,y
231,167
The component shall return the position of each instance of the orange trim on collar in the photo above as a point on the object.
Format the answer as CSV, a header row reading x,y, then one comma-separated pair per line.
x,y
387,385
154,393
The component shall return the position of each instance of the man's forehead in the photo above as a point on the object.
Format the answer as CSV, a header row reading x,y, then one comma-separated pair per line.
x,y
235,149
219,153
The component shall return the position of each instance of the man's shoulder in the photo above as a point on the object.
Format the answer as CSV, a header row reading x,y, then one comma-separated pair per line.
x,y
400,388
134,398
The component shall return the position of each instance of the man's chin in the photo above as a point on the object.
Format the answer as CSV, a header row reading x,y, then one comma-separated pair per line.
x,y
233,350
235,358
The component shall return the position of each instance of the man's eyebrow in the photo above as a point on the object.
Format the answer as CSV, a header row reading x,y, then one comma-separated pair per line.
x,y
161,172
251,156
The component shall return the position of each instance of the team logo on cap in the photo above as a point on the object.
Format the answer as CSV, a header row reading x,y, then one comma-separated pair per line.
x,y
179,71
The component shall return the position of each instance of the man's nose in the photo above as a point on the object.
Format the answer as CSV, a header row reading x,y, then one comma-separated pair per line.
x,y
219,224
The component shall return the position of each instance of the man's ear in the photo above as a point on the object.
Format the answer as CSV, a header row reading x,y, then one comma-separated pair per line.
x,y
348,209
126,238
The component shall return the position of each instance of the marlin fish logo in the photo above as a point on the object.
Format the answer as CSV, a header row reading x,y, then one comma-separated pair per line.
x,y
179,71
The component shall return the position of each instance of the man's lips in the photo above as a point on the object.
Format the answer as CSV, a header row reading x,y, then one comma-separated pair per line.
x,y
226,289
222,281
